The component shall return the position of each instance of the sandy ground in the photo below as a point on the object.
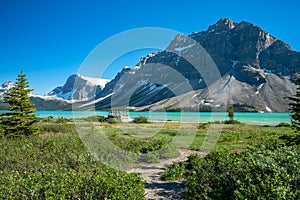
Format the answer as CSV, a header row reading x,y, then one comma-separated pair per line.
x,y
155,187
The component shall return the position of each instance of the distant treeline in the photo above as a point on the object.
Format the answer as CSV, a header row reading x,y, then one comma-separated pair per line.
x,y
207,108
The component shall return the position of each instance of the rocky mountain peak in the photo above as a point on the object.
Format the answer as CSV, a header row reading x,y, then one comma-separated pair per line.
x,y
256,70
79,88
223,24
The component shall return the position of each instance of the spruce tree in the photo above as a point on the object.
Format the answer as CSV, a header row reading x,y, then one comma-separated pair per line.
x,y
295,104
231,113
294,139
20,118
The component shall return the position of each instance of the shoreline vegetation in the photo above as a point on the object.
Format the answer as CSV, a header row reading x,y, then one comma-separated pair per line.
x,y
55,163
237,108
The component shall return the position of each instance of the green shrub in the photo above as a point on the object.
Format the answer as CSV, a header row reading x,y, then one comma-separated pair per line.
x,y
101,118
56,128
203,125
152,157
1,129
253,174
269,174
63,120
232,121
65,183
48,119
96,118
230,136
292,139
111,121
169,151
173,172
209,179
284,124
140,120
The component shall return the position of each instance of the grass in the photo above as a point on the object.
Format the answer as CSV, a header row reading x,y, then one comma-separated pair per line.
x,y
56,164
145,138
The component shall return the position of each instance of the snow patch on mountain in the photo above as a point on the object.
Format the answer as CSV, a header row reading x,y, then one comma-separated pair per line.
x,y
6,86
183,48
95,81
79,88
48,98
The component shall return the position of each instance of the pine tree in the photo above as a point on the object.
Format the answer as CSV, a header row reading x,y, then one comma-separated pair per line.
x,y
295,104
231,113
294,139
20,118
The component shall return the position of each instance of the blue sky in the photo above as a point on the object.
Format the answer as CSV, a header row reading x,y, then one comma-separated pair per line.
x,y
50,39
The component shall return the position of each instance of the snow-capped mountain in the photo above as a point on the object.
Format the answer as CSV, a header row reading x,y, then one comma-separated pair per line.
x,y
79,88
6,86
40,102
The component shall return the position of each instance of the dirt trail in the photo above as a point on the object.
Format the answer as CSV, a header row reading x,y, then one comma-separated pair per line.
x,y
155,187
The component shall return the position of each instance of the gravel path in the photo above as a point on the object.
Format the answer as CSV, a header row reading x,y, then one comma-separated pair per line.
x,y
155,187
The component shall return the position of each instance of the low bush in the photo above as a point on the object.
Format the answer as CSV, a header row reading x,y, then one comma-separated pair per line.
x,y
47,119
168,151
111,121
63,120
291,139
64,183
176,171
140,120
253,174
284,124
203,125
56,128
232,121
96,118
152,157
230,136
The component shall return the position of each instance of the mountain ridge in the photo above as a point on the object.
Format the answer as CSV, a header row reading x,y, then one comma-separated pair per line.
x,y
244,54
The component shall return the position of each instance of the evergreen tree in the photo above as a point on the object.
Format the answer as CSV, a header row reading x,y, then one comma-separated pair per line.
x,y
231,113
295,104
20,118
294,139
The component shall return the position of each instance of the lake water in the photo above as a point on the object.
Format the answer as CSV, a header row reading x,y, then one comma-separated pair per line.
x,y
249,118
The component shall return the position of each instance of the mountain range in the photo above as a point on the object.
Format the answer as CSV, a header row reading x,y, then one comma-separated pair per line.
x,y
228,64
62,97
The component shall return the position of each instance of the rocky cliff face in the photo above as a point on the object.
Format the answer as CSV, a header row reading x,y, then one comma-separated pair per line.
x,y
79,88
253,69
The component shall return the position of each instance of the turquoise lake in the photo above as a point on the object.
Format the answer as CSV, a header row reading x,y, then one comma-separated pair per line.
x,y
249,118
